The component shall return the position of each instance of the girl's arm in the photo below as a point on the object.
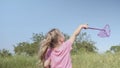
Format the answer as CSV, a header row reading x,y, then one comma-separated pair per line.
x,y
47,63
77,31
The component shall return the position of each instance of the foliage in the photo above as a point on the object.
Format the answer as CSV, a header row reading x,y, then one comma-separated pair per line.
x,y
5,53
115,49
23,47
38,37
82,43
29,48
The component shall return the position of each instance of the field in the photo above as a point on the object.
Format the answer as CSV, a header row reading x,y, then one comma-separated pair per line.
x,y
82,60
96,61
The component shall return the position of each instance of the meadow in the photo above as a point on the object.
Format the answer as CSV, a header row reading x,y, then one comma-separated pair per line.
x,y
81,60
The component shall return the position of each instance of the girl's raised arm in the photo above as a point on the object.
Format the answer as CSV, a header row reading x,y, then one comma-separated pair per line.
x,y
77,31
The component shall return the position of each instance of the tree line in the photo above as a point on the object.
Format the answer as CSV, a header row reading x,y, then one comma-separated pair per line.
x,y
83,43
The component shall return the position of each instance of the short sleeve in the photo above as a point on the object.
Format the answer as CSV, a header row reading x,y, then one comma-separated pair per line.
x,y
68,45
48,53
65,48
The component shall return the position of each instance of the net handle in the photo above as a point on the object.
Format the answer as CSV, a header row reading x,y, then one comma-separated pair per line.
x,y
95,28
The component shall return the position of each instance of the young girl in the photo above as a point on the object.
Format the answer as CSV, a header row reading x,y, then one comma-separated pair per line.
x,y
54,52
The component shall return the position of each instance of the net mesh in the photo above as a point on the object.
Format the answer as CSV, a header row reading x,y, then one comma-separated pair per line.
x,y
105,32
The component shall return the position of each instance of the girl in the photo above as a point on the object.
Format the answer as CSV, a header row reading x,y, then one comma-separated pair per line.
x,y
54,52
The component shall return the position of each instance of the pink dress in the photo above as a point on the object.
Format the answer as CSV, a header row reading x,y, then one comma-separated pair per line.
x,y
60,58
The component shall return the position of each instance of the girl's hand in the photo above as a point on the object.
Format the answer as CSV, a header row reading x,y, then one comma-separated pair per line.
x,y
84,26
47,63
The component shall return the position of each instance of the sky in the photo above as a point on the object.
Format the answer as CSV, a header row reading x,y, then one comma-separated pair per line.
x,y
19,19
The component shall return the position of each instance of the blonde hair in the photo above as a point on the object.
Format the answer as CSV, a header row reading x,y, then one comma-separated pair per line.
x,y
50,41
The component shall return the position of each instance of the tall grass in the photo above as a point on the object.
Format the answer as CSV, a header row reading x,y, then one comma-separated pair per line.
x,y
81,60
92,60
18,62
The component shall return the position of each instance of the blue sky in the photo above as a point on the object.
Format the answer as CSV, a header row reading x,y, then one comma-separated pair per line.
x,y
19,19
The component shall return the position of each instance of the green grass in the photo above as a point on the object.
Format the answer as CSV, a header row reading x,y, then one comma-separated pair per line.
x,y
96,61
81,60
18,62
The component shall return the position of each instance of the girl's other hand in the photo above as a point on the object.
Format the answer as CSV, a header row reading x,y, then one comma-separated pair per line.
x,y
47,63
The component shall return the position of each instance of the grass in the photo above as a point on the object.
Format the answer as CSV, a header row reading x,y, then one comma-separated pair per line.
x,y
96,60
18,62
82,60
